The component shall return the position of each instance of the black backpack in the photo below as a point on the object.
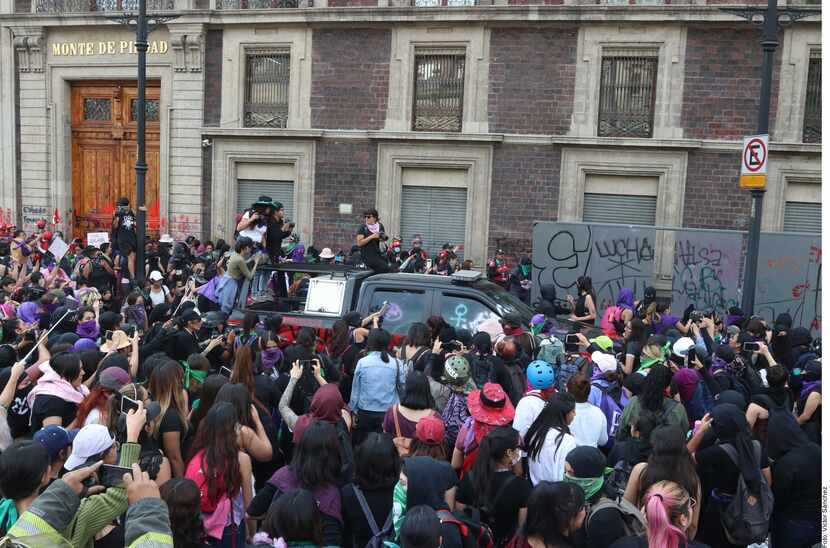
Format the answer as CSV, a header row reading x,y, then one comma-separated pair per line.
x,y
379,534
745,518
474,534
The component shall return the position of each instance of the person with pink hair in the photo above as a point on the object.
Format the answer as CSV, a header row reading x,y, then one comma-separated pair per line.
x,y
668,510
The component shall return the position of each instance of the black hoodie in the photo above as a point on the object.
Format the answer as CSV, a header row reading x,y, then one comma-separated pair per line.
x,y
428,480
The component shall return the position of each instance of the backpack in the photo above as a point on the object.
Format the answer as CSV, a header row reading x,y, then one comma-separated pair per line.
x,y
611,320
551,350
474,534
617,479
633,521
611,408
745,519
379,535
413,361
454,415
402,443
567,367
195,472
480,367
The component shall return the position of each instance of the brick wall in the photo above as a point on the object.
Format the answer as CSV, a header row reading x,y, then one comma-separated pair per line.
x,y
345,173
213,78
349,91
525,189
532,76
713,198
723,84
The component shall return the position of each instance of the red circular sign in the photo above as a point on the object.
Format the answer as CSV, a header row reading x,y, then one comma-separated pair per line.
x,y
754,161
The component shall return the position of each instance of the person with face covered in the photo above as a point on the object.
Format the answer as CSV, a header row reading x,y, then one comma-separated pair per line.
x,y
430,482
418,257
808,405
237,271
519,281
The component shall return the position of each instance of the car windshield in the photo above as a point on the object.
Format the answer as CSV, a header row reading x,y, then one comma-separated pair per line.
x,y
507,302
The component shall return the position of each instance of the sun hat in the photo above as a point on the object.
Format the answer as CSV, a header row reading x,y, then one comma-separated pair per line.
x,y
491,405
430,430
117,341
327,253
55,438
605,362
92,439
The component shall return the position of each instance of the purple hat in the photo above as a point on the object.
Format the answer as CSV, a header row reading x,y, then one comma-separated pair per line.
x,y
84,345
537,319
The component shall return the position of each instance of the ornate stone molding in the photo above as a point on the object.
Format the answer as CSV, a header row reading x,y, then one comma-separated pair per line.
x,y
188,45
28,45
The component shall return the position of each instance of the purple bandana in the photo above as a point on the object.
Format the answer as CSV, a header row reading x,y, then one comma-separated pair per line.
x,y
270,358
809,387
88,330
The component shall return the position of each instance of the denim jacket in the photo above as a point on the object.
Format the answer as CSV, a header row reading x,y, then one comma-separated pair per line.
x,y
374,383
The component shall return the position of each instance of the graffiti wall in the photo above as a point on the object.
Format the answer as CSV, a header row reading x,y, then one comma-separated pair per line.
x,y
706,266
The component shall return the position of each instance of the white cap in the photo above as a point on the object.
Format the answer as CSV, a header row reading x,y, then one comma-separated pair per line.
x,y
605,362
155,276
166,239
682,345
92,440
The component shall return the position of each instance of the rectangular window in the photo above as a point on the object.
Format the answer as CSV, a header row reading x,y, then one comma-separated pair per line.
x,y
266,88
802,209
628,199
628,84
438,99
247,192
812,108
437,214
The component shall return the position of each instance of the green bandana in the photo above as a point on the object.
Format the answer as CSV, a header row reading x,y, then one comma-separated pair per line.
x,y
398,507
194,374
591,486
645,364
525,270
8,514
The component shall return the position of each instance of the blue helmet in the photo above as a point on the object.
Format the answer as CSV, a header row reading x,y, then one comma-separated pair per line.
x,y
540,375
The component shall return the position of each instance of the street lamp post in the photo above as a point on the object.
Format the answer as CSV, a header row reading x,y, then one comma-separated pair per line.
x,y
771,18
141,46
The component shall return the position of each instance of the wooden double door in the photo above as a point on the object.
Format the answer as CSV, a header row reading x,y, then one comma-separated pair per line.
x,y
104,150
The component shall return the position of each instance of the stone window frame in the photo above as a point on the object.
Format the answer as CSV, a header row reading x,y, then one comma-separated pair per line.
x,y
669,40
799,42
669,166
783,169
476,159
296,41
229,152
405,40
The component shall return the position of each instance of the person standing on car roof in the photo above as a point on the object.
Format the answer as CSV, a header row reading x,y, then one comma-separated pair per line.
x,y
369,236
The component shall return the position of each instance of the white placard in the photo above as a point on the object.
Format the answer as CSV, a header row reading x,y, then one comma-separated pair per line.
x,y
325,296
95,239
58,248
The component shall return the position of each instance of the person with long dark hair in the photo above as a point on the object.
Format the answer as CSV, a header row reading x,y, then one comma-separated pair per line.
x,y
402,418
585,306
182,497
166,388
377,379
222,472
296,519
316,466
549,440
377,469
481,358
652,398
416,346
635,335
555,514
252,435
494,488
669,460
210,388
343,354
58,392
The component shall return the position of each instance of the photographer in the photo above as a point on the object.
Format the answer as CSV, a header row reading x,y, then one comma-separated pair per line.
x,y
277,230
254,222
369,236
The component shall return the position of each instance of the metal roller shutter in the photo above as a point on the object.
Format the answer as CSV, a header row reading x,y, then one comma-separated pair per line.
x,y
615,208
247,192
439,215
802,217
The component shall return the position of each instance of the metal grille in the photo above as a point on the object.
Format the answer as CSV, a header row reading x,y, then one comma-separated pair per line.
x,y
627,92
802,217
444,3
97,109
437,214
615,208
248,190
438,102
812,109
151,110
83,6
256,4
267,74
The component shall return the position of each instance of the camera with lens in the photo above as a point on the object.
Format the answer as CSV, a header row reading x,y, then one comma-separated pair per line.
x,y
383,237
696,316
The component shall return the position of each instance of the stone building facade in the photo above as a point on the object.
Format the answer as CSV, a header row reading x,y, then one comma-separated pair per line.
x,y
464,122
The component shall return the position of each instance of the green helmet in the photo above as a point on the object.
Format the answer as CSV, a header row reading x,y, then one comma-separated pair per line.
x,y
456,370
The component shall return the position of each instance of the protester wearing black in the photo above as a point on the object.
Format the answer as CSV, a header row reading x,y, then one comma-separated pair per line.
x,y
369,236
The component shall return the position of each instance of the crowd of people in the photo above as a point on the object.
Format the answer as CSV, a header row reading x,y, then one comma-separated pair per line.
x,y
136,415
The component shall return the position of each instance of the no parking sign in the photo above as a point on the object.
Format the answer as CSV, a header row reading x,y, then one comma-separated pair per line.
x,y
754,156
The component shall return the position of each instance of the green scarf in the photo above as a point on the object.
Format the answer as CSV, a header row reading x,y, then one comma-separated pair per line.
x,y
8,514
398,507
645,364
590,486
194,374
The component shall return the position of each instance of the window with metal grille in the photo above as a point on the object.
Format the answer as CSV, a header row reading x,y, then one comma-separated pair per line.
x,y
812,109
802,217
611,208
266,88
438,100
247,192
628,84
437,214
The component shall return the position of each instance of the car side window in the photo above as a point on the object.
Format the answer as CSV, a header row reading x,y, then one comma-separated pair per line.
x,y
465,313
405,308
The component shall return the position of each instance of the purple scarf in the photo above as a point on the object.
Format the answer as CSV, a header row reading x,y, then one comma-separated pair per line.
x,y
328,496
28,312
137,314
270,357
88,330
809,387
718,364
208,290
298,254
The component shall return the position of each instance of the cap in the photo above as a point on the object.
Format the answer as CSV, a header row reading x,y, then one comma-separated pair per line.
x,y
263,201
537,319
586,462
191,316
166,239
605,362
603,341
41,224
682,345
123,202
430,430
92,439
155,276
55,438
114,378
327,253
277,205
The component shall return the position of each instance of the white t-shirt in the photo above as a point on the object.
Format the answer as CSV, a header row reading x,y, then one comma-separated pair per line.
x,y
159,297
589,427
527,410
550,464
255,233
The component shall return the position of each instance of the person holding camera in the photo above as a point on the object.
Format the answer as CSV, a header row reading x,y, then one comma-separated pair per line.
x,y
277,230
369,236
254,222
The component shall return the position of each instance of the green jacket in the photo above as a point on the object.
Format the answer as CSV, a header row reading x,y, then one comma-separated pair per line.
x,y
148,522
673,414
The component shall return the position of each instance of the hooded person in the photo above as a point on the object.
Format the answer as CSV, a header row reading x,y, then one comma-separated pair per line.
x,y
690,389
808,405
649,297
426,481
